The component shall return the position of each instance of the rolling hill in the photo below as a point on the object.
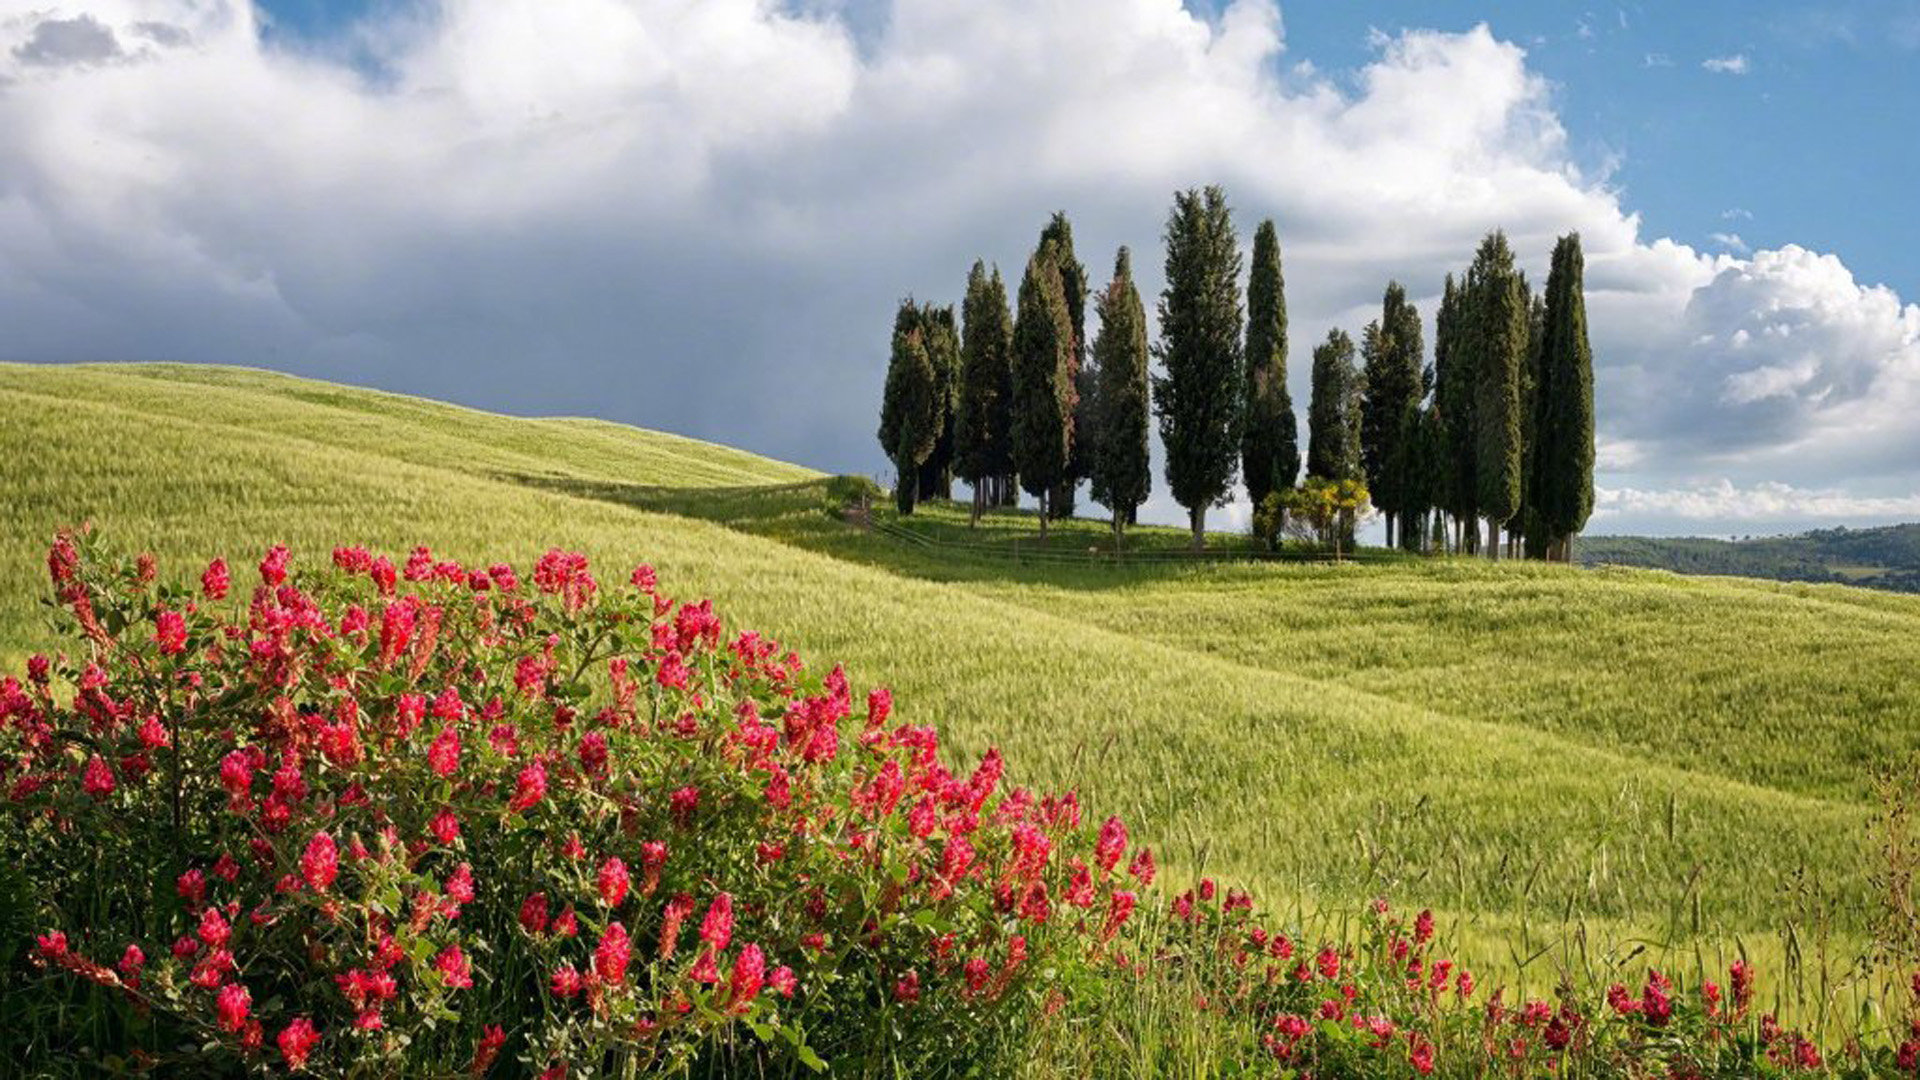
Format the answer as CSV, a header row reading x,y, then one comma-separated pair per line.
x,y
1887,557
1541,751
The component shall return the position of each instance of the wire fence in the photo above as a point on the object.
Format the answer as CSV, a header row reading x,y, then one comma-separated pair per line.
x,y
1057,551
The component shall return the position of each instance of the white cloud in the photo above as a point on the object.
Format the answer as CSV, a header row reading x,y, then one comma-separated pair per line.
x,y
692,216
1657,60
1724,501
1730,241
1737,64
1736,214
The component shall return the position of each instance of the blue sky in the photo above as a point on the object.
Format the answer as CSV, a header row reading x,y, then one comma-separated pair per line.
x,y
695,216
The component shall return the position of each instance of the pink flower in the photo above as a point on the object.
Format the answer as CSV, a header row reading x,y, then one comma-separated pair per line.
x,y
683,804
231,1006
273,568
749,974
908,988
320,862
460,884
214,929
97,778
1111,845
453,965
51,945
215,582
1142,868
610,957
297,1041
445,827
612,882
533,913
530,788
444,755
593,752
783,981
566,981
170,633
879,706
717,928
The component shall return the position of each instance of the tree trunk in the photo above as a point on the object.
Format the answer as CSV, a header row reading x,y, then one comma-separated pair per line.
x,y
1197,518
1118,518
1043,516
1566,549
1493,540
973,520
1389,520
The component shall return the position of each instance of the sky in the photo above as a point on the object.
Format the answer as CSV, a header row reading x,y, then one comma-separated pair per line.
x,y
699,215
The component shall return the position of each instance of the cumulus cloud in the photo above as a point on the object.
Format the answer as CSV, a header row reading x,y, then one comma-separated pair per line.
x,y
1730,241
1736,64
79,40
1724,501
696,216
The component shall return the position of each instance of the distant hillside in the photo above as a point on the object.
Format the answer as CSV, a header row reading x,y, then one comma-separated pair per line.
x,y
1882,558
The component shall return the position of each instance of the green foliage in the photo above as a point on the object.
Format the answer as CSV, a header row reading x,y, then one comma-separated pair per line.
x,y
1458,489
941,338
1322,509
983,436
1496,348
1270,443
910,416
1043,397
1391,397
1199,397
1563,453
1122,472
1333,414
848,489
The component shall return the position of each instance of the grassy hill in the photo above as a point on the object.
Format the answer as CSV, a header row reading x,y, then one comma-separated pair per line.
x,y
1887,557
1540,751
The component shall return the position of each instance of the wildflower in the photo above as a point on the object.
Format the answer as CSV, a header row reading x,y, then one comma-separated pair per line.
x,y
51,945
1142,868
530,788
459,885
593,752
215,582
454,967
273,568
445,827
131,963
214,929
612,882
231,1006
1420,1055
170,633
908,988
486,1048
566,981
683,803
782,981
297,1041
610,957
717,928
1119,908
749,974
320,862
879,706
653,856
1328,961
443,757
1423,927
97,778
533,913
1740,976
1111,845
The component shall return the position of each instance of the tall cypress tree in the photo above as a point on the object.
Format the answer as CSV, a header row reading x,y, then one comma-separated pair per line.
x,y
1199,398
1393,352
1563,453
1122,472
1457,485
941,338
1042,379
1532,528
909,417
1080,438
1270,443
1497,347
982,439
1333,421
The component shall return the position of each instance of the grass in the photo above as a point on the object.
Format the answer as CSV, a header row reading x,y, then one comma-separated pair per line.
x,y
1540,751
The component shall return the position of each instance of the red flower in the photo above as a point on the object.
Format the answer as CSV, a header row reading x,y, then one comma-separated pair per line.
x,y
273,568
453,965
1423,927
231,1006
97,778
492,1038
533,913
297,1041
1111,845
215,582
460,884
530,788
1142,868
566,981
683,804
610,957
717,928
908,988
214,929
51,945
749,974
782,981
444,755
170,633
320,862
612,881
445,827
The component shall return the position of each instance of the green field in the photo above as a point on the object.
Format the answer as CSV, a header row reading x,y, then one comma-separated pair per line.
x,y
1531,749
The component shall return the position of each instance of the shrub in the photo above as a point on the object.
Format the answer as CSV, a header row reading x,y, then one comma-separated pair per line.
x,y
423,819
848,489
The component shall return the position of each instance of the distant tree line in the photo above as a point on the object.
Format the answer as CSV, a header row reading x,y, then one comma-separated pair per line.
x,y
1495,432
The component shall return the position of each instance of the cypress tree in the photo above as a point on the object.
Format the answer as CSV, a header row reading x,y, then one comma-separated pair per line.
x,y
1333,421
1199,398
941,338
1270,445
1393,351
1080,439
908,414
1563,454
1533,530
1122,472
1042,380
1457,486
982,440
1497,347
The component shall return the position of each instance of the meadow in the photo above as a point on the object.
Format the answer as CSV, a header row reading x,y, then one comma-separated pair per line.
x,y
1574,766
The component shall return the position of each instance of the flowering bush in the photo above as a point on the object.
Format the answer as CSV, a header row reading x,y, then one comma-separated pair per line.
x,y
424,818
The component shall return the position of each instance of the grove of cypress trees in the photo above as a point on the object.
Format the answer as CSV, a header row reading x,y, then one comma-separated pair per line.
x,y
1333,422
908,411
1080,444
1563,451
1393,352
1532,538
1122,473
1043,395
1199,398
1497,348
941,338
1457,485
982,418
1270,442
